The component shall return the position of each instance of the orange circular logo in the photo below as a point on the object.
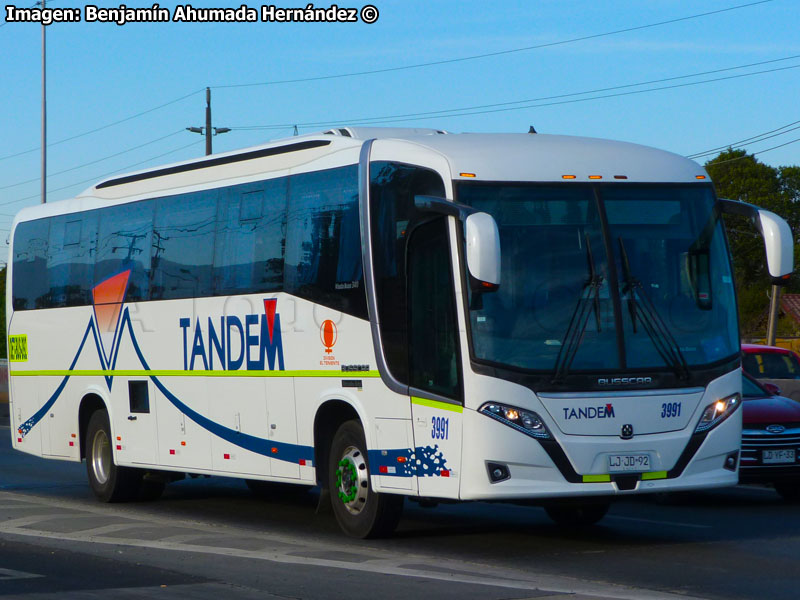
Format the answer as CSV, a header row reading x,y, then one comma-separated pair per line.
x,y
328,334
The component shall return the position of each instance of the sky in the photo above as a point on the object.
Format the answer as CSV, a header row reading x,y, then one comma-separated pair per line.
x,y
684,76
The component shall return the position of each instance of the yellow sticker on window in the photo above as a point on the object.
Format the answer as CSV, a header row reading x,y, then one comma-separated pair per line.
x,y
18,348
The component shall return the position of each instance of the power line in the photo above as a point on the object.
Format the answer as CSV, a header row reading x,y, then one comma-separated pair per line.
x,y
75,168
491,54
491,108
34,5
102,127
722,162
756,138
391,69
98,177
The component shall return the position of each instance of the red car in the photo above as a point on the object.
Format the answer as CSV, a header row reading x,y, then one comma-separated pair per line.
x,y
770,362
770,438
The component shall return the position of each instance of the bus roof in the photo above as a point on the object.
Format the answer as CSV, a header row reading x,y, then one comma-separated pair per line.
x,y
481,156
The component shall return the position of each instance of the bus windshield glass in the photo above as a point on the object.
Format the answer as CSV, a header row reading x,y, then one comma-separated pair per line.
x,y
600,277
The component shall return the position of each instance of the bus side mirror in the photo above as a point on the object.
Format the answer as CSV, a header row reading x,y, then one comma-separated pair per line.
x,y
777,237
483,251
779,245
482,237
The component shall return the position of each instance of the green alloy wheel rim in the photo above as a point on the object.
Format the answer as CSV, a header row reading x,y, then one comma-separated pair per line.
x,y
352,480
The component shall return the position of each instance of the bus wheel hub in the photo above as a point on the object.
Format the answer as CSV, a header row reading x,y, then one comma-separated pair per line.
x,y
352,480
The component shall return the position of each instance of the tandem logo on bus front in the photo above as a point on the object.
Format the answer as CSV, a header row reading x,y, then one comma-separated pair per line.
x,y
590,412
252,345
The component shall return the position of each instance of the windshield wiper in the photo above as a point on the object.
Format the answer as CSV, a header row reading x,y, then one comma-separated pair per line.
x,y
580,318
651,320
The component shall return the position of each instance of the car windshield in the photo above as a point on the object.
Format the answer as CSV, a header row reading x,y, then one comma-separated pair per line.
x,y
604,277
771,365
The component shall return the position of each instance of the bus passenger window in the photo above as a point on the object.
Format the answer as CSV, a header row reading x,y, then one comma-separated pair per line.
x,y
123,243
251,238
183,246
70,259
29,285
323,240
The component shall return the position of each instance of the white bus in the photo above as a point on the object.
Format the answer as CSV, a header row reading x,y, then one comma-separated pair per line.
x,y
388,313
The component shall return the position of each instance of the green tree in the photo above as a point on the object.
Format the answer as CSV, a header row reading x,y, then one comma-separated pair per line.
x,y
740,176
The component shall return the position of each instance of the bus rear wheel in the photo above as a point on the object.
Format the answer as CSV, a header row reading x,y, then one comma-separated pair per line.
x,y
360,511
109,482
577,515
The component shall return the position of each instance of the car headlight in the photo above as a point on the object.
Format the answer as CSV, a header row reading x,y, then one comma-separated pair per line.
x,y
718,411
526,421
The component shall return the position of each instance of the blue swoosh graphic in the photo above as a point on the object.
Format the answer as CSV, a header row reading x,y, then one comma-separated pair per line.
x,y
420,461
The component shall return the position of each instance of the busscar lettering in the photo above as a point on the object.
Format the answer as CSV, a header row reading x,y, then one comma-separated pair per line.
x,y
624,381
45,16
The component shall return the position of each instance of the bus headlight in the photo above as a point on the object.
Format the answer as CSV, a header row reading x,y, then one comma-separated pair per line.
x,y
526,421
718,411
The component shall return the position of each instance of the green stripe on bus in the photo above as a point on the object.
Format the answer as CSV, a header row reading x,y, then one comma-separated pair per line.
x,y
654,475
457,408
596,478
176,373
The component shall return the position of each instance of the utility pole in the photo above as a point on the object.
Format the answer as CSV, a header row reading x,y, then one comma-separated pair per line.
x,y
207,130
774,308
44,112
208,121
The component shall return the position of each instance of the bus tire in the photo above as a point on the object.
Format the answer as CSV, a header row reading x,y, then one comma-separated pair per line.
x,y
577,515
109,482
360,511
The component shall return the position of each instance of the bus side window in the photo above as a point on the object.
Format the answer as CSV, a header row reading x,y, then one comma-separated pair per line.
x,y
29,284
433,332
124,240
70,259
392,191
251,238
323,240
183,246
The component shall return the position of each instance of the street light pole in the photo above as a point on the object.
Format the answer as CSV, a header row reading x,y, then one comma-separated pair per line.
x,y
44,112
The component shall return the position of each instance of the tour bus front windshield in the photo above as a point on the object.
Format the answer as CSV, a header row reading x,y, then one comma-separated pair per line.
x,y
603,277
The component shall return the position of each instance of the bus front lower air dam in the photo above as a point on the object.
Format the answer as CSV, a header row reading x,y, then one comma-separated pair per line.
x,y
388,313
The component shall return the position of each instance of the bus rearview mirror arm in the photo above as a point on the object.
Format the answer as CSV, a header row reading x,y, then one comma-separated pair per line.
x,y
777,235
482,239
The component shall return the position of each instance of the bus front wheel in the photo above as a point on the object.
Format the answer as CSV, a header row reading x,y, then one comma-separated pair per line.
x,y
109,482
360,511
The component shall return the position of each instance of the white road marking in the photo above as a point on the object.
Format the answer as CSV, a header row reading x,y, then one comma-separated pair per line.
x,y
376,560
9,574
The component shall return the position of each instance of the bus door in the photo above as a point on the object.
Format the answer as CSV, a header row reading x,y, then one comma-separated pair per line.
x,y
434,360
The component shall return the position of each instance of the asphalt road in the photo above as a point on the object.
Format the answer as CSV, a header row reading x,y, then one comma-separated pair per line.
x,y
210,538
